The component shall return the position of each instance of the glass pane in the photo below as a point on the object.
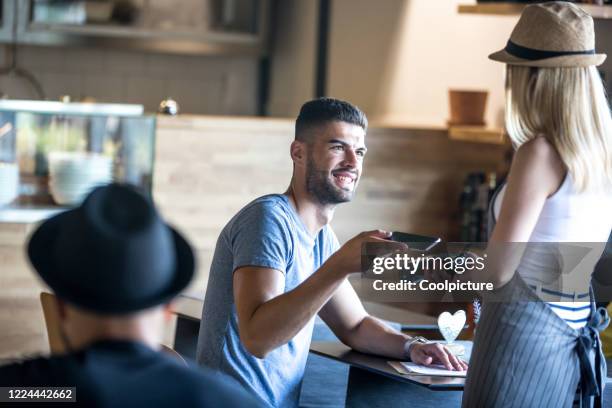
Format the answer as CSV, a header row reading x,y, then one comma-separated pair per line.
x,y
60,158
9,171
192,16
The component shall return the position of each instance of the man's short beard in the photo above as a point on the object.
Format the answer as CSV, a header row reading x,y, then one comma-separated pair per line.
x,y
320,187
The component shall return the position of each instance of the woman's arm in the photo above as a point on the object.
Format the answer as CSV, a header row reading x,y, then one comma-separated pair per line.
x,y
536,173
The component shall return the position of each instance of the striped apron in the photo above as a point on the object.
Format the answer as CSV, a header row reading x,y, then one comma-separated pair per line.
x,y
525,355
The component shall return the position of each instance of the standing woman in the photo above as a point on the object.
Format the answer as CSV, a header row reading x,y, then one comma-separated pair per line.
x,y
540,353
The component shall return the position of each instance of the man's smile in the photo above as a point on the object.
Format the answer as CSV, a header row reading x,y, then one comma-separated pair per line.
x,y
344,179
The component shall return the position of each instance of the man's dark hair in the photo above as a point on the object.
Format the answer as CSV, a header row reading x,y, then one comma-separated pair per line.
x,y
323,110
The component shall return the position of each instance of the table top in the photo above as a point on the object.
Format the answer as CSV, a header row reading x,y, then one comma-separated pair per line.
x,y
380,365
189,307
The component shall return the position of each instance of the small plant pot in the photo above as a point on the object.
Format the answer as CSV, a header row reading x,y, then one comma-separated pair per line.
x,y
467,108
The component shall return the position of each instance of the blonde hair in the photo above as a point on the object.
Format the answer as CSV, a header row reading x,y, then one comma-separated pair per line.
x,y
568,106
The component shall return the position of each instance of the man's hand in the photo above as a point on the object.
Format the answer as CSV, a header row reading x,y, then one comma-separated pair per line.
x,y
348,258
435,353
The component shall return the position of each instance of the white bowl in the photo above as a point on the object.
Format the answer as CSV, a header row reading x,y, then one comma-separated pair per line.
x,y
69,162
72,175
66,198
73,195
76,182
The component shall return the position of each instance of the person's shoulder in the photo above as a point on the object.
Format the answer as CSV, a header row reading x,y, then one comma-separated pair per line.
x,y
270,204
206,388
13,373
266,209
30,372
540,150
538,157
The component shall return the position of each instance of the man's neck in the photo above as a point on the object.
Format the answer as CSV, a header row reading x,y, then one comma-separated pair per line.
x,y
313,214
86,330
83,341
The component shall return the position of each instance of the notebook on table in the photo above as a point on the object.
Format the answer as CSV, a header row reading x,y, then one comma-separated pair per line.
x,y
434,370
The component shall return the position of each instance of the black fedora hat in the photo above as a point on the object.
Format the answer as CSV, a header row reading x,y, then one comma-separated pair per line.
x,y
113,254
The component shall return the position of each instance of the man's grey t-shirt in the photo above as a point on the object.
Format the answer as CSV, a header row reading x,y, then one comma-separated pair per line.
x,y
266,233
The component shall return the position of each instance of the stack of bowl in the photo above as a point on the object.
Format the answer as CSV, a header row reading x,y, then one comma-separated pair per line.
x,y
72,175
9,182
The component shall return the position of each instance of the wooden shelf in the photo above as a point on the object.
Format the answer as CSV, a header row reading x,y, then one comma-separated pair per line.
x,y
476,134
509,9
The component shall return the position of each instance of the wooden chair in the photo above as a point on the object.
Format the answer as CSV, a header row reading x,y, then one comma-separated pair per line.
x,y
51,313
173,353
50,309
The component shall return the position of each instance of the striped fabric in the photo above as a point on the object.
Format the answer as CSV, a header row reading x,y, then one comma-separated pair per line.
x,y
525,356
575,314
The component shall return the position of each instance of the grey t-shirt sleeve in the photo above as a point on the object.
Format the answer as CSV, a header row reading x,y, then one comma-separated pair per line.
x,y
261,237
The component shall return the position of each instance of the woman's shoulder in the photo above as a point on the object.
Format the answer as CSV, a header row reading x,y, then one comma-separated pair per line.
x,y
539,147
542,152
539,157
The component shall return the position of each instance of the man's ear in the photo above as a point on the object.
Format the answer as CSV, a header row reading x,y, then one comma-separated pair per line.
x,y
298,152
168,309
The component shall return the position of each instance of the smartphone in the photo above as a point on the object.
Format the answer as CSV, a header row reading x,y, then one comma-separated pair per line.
x,y
414,241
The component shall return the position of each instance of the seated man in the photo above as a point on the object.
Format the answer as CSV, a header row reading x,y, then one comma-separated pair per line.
x,y
114,266
277,264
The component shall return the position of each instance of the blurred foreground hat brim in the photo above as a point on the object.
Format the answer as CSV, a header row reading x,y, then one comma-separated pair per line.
x,y
113,254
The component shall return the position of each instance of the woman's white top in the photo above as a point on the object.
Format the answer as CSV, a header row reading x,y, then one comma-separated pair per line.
x,y
568,218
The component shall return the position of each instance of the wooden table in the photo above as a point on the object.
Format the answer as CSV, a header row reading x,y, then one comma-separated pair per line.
x,y
374,383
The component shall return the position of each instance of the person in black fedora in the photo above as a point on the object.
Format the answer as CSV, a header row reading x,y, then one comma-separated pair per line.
x,y
114,266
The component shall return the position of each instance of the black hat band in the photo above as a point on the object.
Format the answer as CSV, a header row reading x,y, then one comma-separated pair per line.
x,y
532,54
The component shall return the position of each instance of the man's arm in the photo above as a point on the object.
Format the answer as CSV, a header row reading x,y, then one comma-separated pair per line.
x,y
347,318
269,318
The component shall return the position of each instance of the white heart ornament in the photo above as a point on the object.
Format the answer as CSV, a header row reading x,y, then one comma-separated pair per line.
x,y
450,325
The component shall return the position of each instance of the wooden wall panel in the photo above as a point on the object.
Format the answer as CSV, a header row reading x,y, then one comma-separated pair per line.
x,y
22,328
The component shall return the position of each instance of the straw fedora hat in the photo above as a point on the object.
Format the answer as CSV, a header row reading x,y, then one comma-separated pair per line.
x,y
552,34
